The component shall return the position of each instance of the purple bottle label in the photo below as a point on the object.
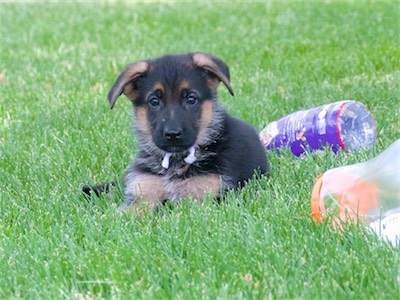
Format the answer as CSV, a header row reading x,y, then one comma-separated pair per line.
x,y
311,129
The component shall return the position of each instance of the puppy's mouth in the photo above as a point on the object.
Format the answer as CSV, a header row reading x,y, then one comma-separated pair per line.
x,y
175,148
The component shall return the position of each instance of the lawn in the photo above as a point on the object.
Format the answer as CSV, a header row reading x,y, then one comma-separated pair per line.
x,y
57,133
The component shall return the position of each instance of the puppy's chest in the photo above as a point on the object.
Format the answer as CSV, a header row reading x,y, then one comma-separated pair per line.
x,y
155,188
179,180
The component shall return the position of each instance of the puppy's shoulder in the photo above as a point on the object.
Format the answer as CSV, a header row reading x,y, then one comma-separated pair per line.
x,y
244,152
236,128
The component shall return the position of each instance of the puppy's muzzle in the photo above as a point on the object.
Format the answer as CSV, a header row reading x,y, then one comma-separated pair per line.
x,y
174,137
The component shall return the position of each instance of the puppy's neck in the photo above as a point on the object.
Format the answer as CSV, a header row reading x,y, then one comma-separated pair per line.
x,y
189,159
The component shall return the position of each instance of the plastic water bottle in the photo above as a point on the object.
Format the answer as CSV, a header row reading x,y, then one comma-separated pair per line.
x,y
367,192
346,125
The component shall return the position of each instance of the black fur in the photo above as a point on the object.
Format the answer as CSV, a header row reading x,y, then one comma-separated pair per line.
x,y
98,189
176,108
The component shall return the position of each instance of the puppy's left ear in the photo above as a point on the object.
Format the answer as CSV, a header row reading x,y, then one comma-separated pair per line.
x,y
126,82
215,66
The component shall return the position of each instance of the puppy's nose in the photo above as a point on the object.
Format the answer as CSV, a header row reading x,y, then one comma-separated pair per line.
x,y
173,134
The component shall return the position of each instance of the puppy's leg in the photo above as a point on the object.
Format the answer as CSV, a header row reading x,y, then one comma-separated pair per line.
x,y
88,190
143,191
196,187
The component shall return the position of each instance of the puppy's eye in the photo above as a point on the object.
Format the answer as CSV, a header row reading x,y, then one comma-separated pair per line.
x,y
191,99
154,101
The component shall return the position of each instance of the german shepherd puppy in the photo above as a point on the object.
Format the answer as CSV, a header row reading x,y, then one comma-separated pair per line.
x,y
188,145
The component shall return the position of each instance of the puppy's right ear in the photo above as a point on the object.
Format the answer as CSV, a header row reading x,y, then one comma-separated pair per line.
x,y
126,82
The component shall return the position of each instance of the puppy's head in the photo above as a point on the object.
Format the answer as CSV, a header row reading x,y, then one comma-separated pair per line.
x,y
174,98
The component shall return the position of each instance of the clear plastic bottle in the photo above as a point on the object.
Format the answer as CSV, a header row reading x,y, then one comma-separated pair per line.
x,y
346,125
367,192
356,127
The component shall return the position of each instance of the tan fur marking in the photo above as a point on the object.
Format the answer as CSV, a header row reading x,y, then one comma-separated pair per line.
x,y
205,61
199,186
139,67
142,120
131,73
213,83
196,187
183,85
206,119
130,93
158,86
147,188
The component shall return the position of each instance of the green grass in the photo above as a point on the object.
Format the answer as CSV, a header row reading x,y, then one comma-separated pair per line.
x,y
57,133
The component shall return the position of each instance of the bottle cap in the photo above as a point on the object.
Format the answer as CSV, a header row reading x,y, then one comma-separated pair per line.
x,y
351,203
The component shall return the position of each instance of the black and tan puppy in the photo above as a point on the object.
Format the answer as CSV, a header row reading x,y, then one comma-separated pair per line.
x,y
188,145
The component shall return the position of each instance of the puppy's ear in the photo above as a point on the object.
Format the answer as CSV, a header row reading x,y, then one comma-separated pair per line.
x,y
216,67
126,82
